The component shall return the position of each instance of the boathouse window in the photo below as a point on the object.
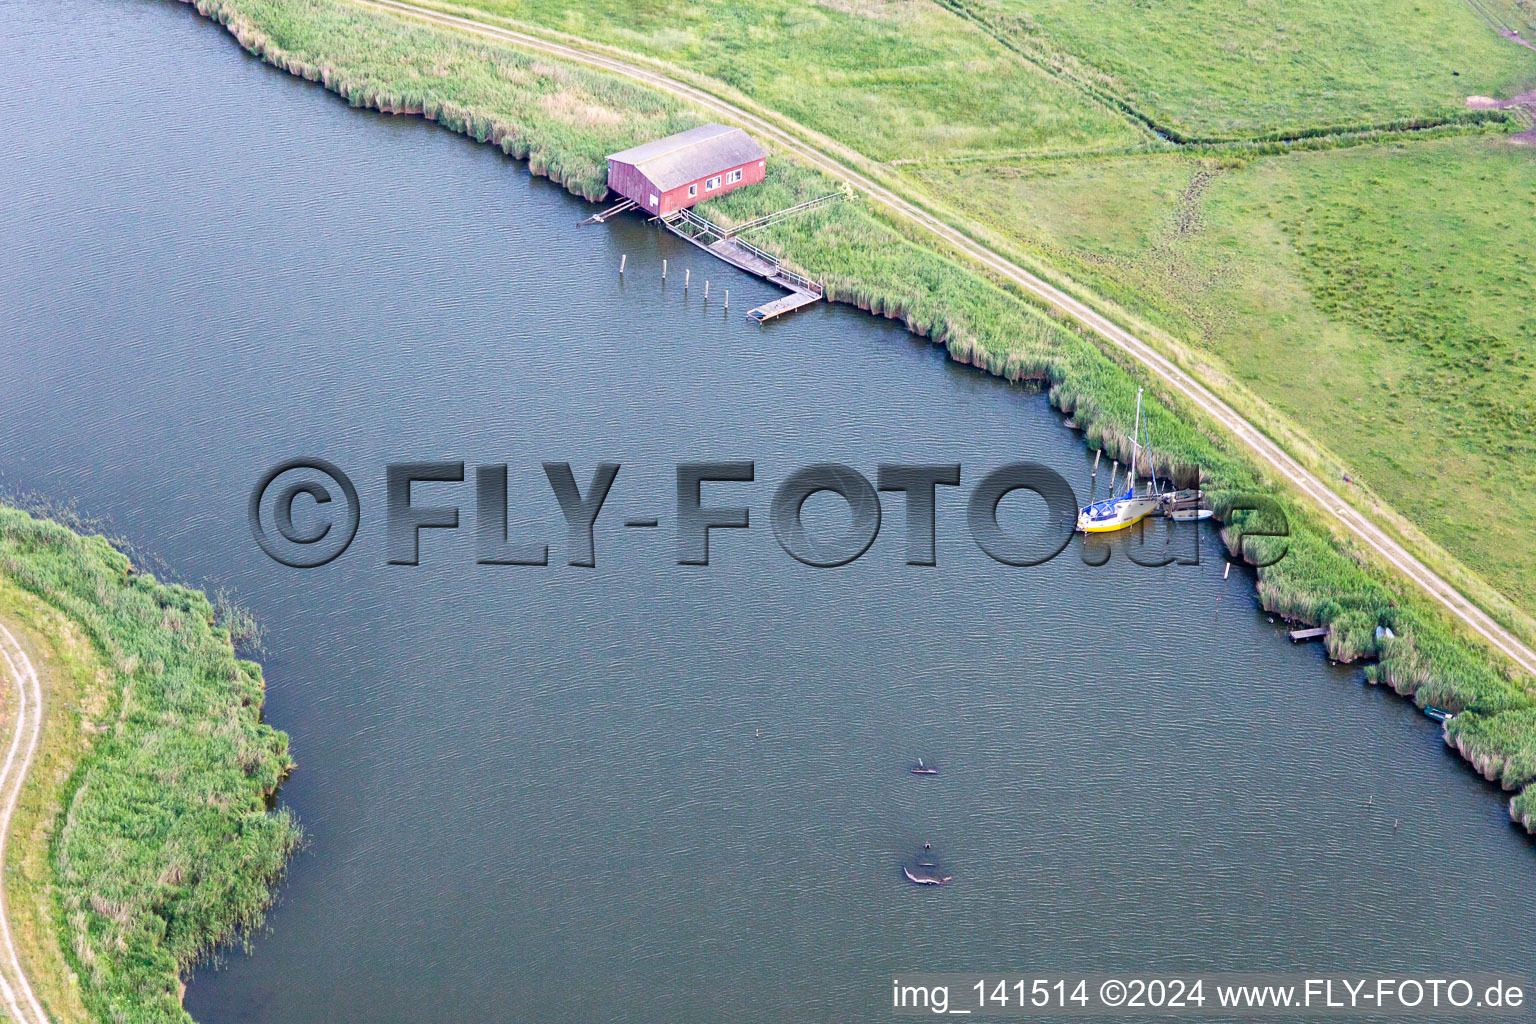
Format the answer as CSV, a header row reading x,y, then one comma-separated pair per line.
x,y
693,190
653,199
731,177
712,184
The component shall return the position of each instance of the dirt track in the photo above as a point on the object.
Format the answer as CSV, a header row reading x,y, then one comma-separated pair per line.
x,y
824,153
20,1001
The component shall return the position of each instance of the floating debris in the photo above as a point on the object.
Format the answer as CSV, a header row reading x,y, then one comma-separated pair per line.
x,y
925,870
926,874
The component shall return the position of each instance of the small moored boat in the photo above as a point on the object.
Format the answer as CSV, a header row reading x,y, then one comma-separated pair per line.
x,y
1438,714
924,769
1185,506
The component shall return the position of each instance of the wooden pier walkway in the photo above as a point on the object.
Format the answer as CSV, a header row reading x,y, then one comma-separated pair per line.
x,y
778,307
743,255
1298,635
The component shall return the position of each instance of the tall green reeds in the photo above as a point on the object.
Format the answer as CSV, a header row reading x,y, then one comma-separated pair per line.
x,y
166,846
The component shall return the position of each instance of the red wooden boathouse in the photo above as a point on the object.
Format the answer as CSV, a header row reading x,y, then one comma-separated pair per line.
x,y
673,173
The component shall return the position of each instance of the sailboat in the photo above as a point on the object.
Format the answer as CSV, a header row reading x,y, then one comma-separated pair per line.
x,y
1122,510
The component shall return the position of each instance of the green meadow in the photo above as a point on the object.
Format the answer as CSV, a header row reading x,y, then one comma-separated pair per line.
x,y
891,78
1239,68
1378,296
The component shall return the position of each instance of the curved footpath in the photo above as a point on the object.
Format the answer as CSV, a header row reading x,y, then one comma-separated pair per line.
x,y
20,1001
1266,450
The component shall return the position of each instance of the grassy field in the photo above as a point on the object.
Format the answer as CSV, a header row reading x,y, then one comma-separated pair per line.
x,y
1378,296
151,799
891,78
1246,67
868,259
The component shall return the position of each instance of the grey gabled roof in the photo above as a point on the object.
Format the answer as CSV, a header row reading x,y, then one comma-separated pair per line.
x,y
691,155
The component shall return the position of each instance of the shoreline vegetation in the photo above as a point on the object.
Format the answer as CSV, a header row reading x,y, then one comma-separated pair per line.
x,y
146,837
564,119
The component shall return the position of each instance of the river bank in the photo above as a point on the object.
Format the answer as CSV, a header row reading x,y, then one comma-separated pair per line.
x,y
564,119
1125,751
144,838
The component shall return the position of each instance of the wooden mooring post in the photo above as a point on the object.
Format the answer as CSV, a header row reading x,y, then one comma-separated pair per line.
x,y
706,289
623,260
663,270
727,300
687,276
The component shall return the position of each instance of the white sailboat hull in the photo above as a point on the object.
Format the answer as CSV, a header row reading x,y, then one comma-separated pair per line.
x,y
1122,513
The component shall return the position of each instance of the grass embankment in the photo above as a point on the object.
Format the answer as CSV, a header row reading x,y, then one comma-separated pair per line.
x,y
149,804
869,260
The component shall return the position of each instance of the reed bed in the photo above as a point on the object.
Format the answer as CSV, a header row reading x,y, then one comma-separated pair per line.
x,y
873,262
166,846
1501,746
560,118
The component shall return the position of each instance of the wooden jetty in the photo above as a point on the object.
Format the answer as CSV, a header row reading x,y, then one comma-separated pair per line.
x,y
725,244
778,307
1298,635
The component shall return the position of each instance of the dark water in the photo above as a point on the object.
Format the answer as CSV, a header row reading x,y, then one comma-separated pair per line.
x,y
644,791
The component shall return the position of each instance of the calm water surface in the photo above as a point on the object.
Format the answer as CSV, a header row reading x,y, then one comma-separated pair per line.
x,y
648,792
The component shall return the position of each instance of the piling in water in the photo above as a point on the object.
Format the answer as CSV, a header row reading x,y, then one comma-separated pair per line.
x,y
687,276
706,289
663,270
622,260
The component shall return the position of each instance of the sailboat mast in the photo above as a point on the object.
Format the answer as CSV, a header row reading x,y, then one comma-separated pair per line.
x,y
1135,448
